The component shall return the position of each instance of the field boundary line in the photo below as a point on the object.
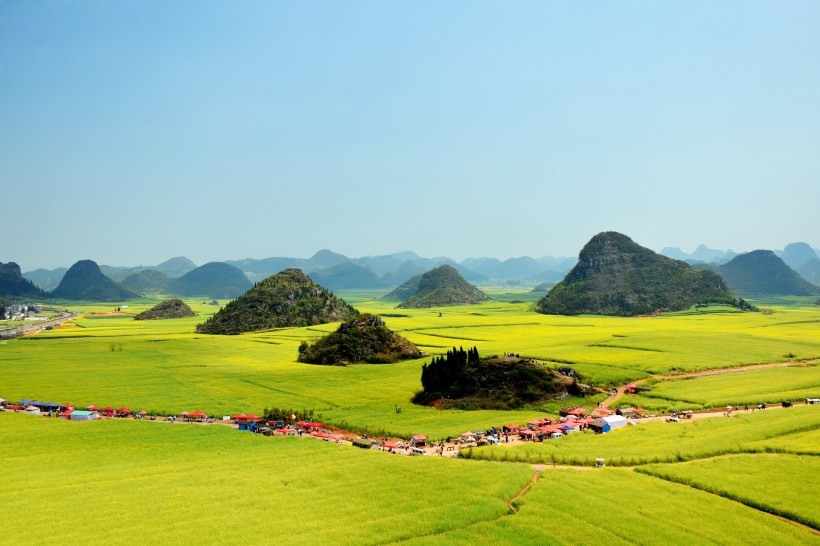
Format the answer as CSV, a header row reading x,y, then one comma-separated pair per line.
x,y
784,515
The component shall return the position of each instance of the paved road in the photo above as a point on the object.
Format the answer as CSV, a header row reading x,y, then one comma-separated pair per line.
x,y
16,331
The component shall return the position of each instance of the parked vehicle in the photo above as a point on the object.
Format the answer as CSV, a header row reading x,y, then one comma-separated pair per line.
x,y
417,451
673,420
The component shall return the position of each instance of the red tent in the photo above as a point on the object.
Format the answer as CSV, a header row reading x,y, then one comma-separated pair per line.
x,y
419,438
239,417
314,424
66,414
198,414
285,430
527,433
336,436
184,414
15,407
630,386
66,405
577,412
143,412
465,434
319,435
512,427
124,410
640,410
108,409
391,445
252,417
301,423
536,422
92,408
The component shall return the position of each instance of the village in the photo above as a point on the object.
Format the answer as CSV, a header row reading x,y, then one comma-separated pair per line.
x,y
599,420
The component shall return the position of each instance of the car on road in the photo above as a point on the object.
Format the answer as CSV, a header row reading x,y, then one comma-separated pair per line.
x,y
673,420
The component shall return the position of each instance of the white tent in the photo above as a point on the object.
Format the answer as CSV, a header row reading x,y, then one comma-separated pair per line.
x,y
614,421
32,410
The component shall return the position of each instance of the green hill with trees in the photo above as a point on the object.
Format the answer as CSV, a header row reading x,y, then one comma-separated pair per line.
x,y
463,380
14,285
146,281
216,280
85,281
762,272
289,298
616,276
439,287
364,339
168,309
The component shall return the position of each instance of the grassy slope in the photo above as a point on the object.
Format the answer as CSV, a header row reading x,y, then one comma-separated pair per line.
x,y
614,506
779,484
164,366
127,482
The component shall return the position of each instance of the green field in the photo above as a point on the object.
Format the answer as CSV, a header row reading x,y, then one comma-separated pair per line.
x,y
131,482
769,385
613,506
163,367
124,481
779,484
664,442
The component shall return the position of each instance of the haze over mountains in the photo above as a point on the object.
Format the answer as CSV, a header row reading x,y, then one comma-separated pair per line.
x,y
339,272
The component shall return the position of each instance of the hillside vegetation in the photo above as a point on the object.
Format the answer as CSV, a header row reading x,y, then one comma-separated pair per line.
x,y
615,276
168,309
439,287
761,272
462,379
289,298
214,280
85,281
13,284
362,339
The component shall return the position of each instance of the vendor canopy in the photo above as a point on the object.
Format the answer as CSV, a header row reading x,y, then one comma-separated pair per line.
x,y
419,438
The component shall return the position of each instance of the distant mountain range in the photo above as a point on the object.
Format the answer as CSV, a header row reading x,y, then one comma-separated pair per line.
x,y
339,272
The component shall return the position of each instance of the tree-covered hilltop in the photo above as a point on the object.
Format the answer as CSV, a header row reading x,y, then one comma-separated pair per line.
x,y
13,284
289,298
762,272
462,379
168,309
85,281
146,281
439,287
214,280
615,276
363,339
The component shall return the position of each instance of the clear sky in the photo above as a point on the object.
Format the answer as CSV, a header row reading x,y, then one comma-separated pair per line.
x,y
131,132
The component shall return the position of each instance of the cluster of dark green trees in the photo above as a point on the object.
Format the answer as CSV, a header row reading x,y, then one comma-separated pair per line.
x,y
443,372
462,379
282,414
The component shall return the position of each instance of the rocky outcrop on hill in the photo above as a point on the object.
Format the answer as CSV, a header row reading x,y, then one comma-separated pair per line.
x,y
364,339
762,272
168,309
13,285
216,280
85,281
289,298
615,276
439,287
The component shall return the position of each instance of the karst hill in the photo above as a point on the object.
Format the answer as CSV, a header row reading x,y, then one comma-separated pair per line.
x,y
439,287
13,284
289,298
762,272
364,339
215,280
168,309
85,281
616,276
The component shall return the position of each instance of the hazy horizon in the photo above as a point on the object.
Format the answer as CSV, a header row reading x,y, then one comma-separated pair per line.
x,y
135,132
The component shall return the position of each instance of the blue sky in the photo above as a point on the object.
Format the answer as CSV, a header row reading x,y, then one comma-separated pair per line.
x,y
131,132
